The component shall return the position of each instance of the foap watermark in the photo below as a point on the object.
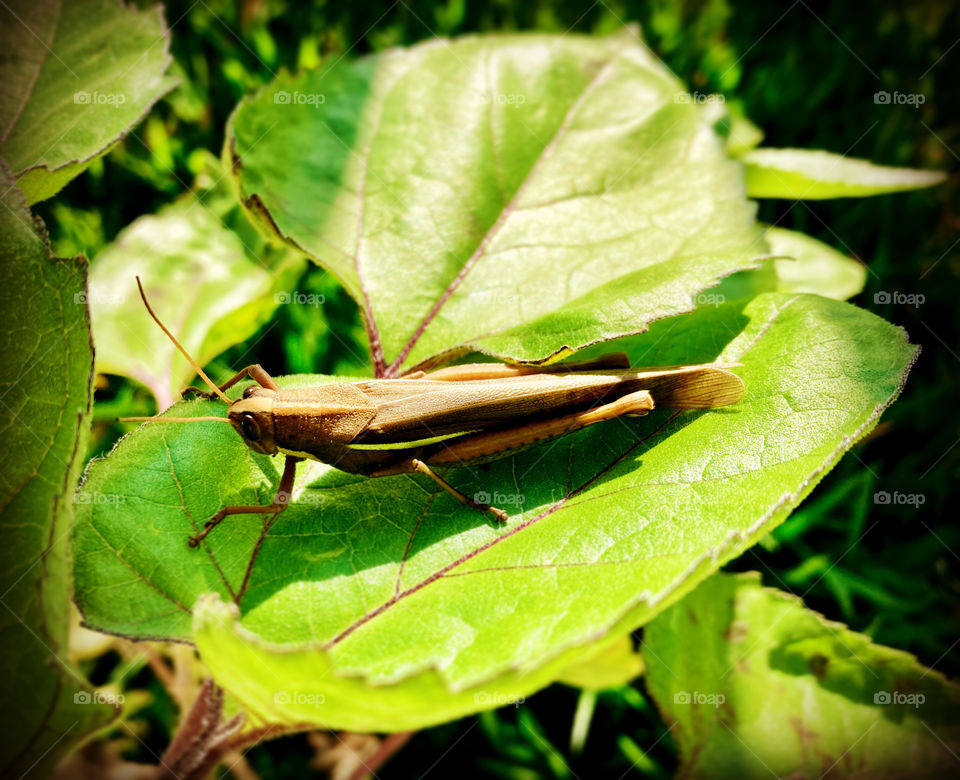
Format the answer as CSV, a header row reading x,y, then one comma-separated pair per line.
x,y
98,298
700,98
314,498
299,698
498,699
896,498
494,298
899,298
115,99
498,499
696,697
98,697
298,98
99,499
501,98
899,697
915,99
710,299
300,299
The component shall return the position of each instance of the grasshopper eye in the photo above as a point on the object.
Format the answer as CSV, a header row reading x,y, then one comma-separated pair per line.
x,y
249,391
251,430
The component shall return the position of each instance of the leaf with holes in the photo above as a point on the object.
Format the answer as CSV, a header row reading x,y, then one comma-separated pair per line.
x,y
46,366
520,196
765,665
390,587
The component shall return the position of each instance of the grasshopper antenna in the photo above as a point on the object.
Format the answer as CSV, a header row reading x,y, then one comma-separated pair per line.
x,y
184,352
172,419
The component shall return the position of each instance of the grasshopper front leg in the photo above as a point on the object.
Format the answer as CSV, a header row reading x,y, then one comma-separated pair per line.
x,y
254,372
281,501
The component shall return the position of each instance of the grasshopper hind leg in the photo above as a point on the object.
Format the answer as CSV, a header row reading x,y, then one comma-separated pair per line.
x,y
492,444
489,444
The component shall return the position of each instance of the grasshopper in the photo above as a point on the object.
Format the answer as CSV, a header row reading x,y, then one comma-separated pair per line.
x,y
456,415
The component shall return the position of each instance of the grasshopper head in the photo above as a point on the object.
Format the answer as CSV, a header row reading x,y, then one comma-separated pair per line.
x,y
252,417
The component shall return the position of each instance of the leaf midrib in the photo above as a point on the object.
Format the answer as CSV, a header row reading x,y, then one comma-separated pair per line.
x,y
442,571
394,368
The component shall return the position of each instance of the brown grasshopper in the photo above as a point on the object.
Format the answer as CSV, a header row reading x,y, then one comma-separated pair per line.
x,y
456,415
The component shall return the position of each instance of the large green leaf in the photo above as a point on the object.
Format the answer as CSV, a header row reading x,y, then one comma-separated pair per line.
x,y
516,195
75,77
774,689
46,367
806,265
388,582
806,174
209,287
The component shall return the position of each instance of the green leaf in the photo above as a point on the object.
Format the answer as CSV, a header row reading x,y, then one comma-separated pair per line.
x,y
814,267
76,76
521,196
305,685
388,581
742,134
209,288
609,667
804,174
775,689
46,366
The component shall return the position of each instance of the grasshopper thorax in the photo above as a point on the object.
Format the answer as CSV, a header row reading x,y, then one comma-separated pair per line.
x,y
251,416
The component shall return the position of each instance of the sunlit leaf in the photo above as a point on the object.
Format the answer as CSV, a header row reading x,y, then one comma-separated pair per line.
x,y
609,667
519,195
810,266
208,287
774,689
390,582
804,174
